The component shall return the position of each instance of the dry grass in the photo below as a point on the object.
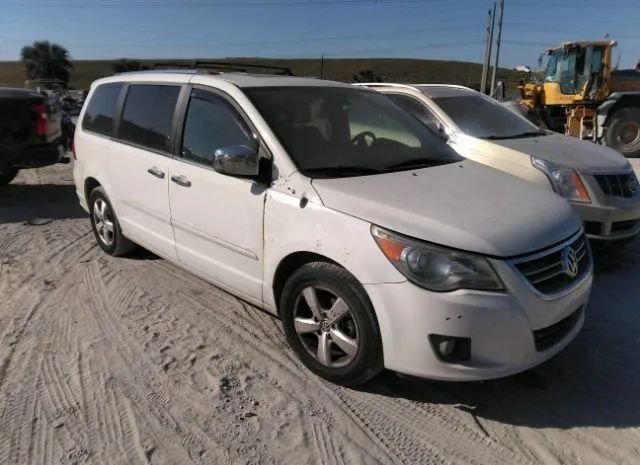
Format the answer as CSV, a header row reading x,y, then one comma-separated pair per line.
x,y
394,70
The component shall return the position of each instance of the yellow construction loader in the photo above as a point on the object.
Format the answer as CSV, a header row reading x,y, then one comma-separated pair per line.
x,y
582,95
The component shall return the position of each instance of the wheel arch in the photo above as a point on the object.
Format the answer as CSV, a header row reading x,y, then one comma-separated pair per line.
x,y
90,184
292,262
289,264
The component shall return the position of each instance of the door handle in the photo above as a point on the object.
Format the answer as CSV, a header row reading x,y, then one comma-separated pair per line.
x,y
181,180
156,172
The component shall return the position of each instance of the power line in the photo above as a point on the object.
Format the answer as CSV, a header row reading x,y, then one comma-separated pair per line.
x,y
221,4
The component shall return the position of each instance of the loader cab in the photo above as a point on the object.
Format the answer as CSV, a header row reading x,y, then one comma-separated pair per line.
x,y
576,70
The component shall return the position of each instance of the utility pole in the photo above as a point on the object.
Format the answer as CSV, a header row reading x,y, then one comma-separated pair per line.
x,y
322,67
487,49
495,67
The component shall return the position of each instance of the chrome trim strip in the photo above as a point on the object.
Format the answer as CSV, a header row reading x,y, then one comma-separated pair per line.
x,y
544,253
562,292
541,270
546,277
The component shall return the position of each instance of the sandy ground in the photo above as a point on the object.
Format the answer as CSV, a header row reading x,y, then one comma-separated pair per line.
x,y
113,361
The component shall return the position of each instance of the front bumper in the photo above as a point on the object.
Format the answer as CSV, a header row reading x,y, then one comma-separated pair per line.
x,y
504,327
609,217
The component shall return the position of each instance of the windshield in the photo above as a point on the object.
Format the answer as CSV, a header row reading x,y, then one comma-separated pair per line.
x,y
339,132
485,118
573,67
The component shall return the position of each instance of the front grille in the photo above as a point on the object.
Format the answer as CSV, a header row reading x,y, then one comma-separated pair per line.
x,y
623,226
620,185
547,273
548,337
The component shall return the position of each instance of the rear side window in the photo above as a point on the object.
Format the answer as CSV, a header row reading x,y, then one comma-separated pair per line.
x,y
100,113
147,118
211,123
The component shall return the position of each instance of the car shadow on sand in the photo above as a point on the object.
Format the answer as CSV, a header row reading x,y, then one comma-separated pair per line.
x,y
142,254
594,382
38,203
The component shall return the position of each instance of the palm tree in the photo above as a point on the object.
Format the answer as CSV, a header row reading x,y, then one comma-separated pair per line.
x,y
44,60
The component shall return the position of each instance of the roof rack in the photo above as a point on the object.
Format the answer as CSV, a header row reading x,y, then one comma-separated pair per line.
x,y
221,66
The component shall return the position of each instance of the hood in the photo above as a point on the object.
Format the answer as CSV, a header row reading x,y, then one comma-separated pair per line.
x,y
463,205
583,156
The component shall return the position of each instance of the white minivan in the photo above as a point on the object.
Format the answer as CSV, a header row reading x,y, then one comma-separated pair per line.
x,y
374,242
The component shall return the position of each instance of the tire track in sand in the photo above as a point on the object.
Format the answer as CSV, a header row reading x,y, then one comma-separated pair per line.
x,y
41,399
230,319
413,431
131,369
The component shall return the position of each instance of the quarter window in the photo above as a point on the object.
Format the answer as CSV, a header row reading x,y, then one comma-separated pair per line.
x,y
147,118
101,111
211,123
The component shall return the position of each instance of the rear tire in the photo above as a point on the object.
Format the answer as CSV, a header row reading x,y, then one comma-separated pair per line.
x,y
343,323
7,176
623,132
105,225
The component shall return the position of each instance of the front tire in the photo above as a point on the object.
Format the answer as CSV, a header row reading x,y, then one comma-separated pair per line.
x,y
330,324
7,176
105,225
623,132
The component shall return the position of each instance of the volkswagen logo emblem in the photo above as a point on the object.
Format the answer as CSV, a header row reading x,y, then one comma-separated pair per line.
x,y
569,261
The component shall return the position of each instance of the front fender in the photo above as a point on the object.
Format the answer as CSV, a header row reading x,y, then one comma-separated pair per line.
x,y
292,226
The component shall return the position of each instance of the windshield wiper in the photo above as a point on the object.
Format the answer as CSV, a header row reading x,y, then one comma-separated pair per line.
x,y
418,163
342,171
520,135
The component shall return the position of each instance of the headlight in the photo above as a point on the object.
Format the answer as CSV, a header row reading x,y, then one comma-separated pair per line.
x,y
565,181
436,268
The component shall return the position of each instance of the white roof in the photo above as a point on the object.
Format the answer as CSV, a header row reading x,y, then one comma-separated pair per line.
x,y
431,90
243,80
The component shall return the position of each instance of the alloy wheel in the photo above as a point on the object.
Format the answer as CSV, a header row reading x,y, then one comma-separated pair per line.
x,y
326,326
103,220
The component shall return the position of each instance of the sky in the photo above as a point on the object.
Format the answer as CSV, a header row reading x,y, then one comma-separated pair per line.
x,y
439,29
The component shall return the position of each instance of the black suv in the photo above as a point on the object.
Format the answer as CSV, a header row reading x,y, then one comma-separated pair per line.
x,y
30,131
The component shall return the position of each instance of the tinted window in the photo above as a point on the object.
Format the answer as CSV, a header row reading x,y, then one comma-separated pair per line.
x,y
485,118
211,123
147,118
345,131
101,111
417,109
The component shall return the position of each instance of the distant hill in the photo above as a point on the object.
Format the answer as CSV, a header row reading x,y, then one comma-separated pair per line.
x,y
390,69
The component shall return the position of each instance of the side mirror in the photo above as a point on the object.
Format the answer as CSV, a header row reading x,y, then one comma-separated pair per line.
x,y
236,160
